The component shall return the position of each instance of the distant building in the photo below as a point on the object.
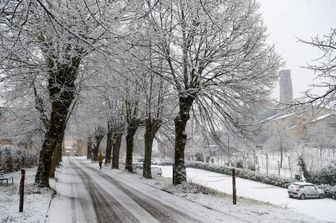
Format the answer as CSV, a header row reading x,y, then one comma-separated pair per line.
x,y
70,146
299,122
286,89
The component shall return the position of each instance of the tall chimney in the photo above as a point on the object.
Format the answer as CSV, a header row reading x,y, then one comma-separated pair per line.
x,y
286,89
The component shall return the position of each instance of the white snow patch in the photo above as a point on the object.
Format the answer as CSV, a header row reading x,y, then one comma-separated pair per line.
x,y
324,209
64,209
36,200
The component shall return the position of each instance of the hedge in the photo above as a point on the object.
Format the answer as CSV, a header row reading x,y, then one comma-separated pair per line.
x,y
326,175
243,173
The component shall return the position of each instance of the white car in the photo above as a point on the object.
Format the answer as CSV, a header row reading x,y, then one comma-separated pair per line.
x,y
304,190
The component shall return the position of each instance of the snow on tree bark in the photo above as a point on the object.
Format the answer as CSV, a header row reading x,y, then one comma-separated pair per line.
x,y
99,134
131,130
109,143
152,126
215,53
179,169
62,92
116,151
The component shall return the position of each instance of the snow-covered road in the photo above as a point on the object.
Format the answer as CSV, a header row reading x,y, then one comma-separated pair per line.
x,y
323,209
86,194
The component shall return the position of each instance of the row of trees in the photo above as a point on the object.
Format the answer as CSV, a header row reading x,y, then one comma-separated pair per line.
x,y
137,63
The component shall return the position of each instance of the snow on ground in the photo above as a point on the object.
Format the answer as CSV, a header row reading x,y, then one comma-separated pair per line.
x,y
36,201
248,209
64,207
193,209
251,210
324,209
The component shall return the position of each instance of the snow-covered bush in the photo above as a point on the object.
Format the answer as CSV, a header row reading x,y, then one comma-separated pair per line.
x,y
326,175
240,164
13,158
330,191
243,173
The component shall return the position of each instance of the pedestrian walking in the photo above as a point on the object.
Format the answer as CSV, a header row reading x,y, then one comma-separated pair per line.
x,y
100,159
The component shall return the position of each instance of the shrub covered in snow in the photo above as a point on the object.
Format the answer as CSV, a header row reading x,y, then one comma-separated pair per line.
x,y
326,175
243,173
330,191
13,158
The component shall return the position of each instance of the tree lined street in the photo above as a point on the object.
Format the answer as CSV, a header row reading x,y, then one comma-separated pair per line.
x,y
144,82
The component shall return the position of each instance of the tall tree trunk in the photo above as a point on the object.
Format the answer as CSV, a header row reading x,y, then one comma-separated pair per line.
x,y
131,130
179,169
281,155
109,143
89,148
57,125
116,150
152,126
57,155
267,163
61,90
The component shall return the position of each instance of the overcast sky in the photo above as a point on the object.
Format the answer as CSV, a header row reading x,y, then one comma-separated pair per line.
x,y
288,19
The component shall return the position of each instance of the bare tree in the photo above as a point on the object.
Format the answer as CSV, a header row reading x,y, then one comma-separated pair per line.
x,y
217,58
325,69
98,135
133,122
116,123
50,39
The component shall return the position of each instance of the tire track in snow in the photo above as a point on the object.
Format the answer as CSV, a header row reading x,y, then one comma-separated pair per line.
x,y
73,207
160,211
106,207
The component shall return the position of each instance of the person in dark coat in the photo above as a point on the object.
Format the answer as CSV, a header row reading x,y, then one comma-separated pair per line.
x,y
100,159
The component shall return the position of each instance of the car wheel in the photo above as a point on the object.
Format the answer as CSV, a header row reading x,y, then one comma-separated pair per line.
x,y
302,196
321,196
290,196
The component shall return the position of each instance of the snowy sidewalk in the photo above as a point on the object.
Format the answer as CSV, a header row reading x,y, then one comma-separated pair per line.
x,y
324,209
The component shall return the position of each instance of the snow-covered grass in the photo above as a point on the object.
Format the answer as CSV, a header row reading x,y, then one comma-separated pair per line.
x,y
324,209
249,209
36,200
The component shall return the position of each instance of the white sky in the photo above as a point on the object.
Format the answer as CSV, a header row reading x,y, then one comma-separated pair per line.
x,y
288,19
